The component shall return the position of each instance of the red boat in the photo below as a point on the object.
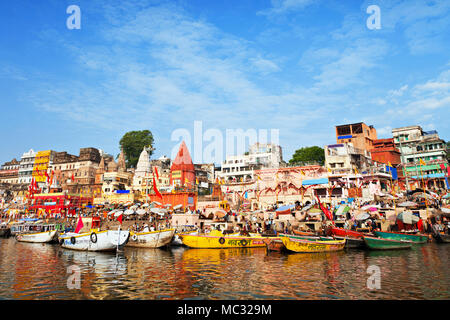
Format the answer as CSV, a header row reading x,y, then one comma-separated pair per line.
x,y
304,233
346,233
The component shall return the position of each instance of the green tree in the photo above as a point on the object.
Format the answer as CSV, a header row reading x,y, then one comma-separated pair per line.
x,y
133,143
307,155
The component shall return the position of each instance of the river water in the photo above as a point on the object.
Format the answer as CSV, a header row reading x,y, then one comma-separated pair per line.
x,y
46,271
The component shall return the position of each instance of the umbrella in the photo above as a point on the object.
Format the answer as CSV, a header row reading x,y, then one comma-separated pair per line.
x,y
133,207
445,210
284,208
156,202
362,216
168,205
407,204
314,210
422,195
408,217
307,207
178,206
112,212
220,213
447,196
313,213
342,210
128,212
370,207
141,212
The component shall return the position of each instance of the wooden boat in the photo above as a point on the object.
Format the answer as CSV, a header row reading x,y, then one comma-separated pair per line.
x,y
304,233
95,240
386,244
441,237
274,243
306,246
352,243
216,239
346,233
90,238
37,237
177,241
151,239
415,238
5,230
40,233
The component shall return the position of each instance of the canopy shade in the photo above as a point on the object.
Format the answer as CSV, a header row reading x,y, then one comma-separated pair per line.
x,y
407,204
362,216
408,217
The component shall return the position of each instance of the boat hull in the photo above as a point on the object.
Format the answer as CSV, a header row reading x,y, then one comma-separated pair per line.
x,y
352,243
38,237
386,244
441,238
152,239
307,246
346,233
274,244
5,232
205,241
108,240
402,236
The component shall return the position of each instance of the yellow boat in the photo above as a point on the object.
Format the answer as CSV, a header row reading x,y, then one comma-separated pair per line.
x,y
216,239
302,245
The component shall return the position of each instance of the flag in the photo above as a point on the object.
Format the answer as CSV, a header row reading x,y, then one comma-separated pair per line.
x,y
356,171
196,181
119,218
155,188
47,176
302,172
73,177
79,225
156,172
421,162
325,210
258,177
329,170
389,164
246,196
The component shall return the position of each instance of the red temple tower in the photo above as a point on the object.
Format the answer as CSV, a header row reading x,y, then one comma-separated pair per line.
x,y
182,171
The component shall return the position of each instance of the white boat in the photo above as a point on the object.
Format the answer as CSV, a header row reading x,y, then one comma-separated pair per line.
x,y
95,240
37,237
151,239
90,238
40,233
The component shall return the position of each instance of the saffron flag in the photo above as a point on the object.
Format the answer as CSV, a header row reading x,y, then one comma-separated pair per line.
x,y
79,225
421,162
302,172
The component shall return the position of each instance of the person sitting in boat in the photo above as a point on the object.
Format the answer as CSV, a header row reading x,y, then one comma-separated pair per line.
x,y
146,229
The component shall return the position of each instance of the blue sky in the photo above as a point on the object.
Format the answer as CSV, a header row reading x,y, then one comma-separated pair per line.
x,y
300,66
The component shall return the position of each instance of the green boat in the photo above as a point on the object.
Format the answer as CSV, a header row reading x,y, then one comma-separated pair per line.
x,y
386,244
415,238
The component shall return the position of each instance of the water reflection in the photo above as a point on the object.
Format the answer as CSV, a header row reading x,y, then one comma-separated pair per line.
x,y
39,271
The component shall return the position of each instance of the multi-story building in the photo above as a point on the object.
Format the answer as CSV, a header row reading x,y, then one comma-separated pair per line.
x,y
415,145
9,172
42,161
360,135
345,158
384,151
241,167
26,167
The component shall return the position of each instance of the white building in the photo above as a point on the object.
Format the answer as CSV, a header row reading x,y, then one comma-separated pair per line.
x,y
345,158
240,168
26,167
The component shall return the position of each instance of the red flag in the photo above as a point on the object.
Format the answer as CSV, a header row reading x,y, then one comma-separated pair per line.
x,y
156,172
119,218
325,210
47,176
79,225
73,177
155,188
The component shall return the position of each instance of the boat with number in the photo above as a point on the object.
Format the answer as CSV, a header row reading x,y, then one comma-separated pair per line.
x,y
93,239
297,244
441,237
151,239
386,244
415,238
340,232
216,239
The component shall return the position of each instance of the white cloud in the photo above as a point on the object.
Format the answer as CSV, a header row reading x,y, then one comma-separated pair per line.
x,y
285,6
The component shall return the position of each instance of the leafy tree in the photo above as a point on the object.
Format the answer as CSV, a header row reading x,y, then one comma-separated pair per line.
x,y
133,143
308,155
